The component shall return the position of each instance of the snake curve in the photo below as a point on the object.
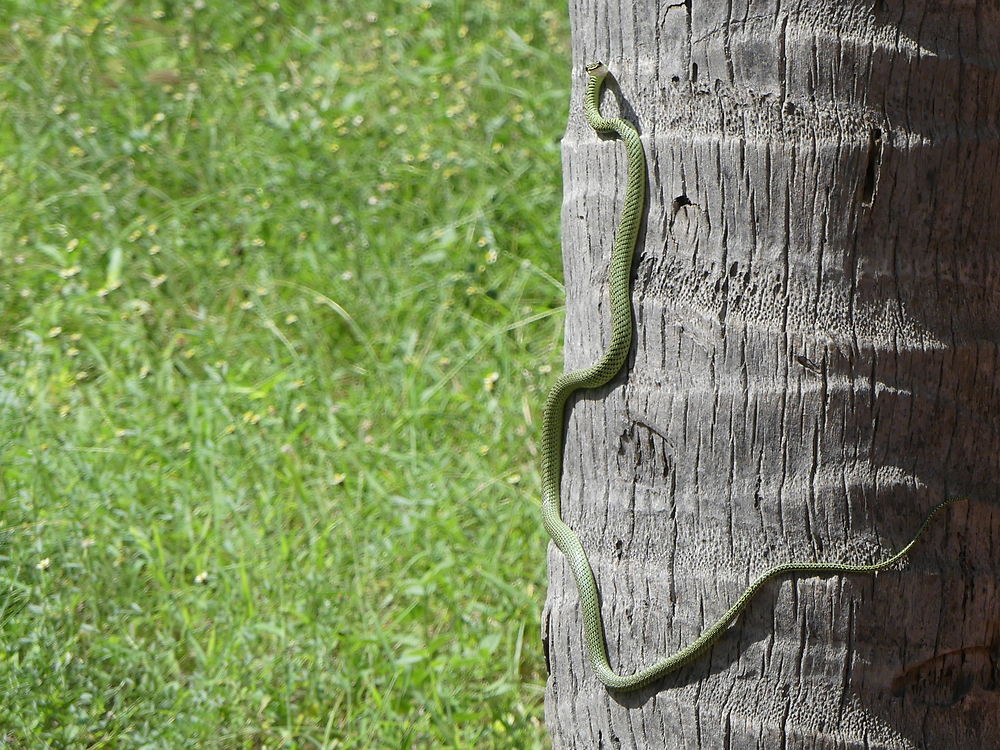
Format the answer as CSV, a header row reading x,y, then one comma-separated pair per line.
x,y
599,373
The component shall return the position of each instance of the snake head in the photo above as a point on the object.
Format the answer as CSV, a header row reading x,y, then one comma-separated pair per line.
x,y
597,69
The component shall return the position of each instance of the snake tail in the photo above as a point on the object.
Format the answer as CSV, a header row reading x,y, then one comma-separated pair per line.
x,y
607,367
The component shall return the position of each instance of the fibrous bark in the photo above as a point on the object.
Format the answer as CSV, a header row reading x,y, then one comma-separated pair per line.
x,y
816,364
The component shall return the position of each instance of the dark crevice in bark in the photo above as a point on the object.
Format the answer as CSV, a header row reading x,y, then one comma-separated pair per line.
x,y
546,631
872,168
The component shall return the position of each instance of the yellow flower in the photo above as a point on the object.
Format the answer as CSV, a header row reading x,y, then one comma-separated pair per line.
x,y
43,564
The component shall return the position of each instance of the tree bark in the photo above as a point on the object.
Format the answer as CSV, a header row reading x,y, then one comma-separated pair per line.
x,y
816,364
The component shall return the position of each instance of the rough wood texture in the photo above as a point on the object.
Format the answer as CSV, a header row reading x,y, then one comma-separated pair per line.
x,y
817,363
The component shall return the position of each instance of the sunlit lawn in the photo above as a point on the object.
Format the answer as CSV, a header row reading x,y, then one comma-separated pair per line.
x,y
277,311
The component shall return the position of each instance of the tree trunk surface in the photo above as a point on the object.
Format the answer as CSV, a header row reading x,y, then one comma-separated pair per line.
x,y
816,364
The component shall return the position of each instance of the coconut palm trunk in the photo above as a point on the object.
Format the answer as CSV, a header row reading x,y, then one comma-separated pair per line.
x,y
816,364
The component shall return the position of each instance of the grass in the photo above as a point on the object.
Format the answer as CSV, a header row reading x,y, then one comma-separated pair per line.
x,y
277,306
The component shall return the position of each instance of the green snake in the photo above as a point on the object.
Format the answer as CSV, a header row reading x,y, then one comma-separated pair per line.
x,y
607,367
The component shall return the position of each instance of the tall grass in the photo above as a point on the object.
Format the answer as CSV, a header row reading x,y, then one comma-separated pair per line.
x,y
277,311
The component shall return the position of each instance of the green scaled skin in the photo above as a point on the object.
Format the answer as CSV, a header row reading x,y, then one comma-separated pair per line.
x,y
607,367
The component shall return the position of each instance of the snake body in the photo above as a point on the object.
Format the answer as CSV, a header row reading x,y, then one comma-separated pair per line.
x,y
609,365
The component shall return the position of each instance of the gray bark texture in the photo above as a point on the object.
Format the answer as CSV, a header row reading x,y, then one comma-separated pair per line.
x,y
816,364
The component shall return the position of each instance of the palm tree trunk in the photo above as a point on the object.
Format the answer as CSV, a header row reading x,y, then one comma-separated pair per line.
x,y
816,364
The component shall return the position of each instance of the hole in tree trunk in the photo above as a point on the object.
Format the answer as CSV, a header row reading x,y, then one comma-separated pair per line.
x,y
871,170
